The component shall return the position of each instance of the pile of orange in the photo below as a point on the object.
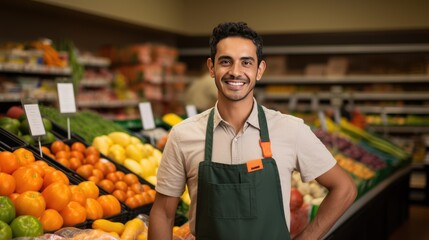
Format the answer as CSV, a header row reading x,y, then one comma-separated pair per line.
x,y
86,161
45,192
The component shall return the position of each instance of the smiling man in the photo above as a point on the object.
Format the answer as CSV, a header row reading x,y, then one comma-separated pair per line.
x,y
237,157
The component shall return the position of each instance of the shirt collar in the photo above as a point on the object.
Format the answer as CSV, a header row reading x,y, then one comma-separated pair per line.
x,y
251,120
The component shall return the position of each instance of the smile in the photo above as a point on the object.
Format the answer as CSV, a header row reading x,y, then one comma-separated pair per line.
x,y
235,83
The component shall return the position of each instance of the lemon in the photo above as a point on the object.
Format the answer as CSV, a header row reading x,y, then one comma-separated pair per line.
x,y
133,166
117,153
120,138
133,152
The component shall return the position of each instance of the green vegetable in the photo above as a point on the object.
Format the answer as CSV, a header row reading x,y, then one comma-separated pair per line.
x,y
7,210
26,226
5,231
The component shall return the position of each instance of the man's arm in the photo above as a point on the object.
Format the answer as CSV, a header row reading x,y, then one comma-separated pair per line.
x,y
342,193
161,217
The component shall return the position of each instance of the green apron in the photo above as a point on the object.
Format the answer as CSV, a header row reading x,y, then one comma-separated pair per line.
x,y
240,201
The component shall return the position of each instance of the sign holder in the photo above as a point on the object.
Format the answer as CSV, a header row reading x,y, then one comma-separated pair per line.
x,y
67,101
34,118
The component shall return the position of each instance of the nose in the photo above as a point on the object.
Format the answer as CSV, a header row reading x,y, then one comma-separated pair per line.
x,y
235,70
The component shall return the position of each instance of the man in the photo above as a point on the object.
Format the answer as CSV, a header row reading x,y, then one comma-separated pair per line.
x,y
226,155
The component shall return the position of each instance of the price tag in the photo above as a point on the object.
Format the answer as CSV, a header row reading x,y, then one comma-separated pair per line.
x,y
337,115
322,120
66,97
34,118
292,103
191,110
146,115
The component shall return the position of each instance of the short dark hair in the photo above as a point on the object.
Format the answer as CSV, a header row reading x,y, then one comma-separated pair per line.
x,y
235,29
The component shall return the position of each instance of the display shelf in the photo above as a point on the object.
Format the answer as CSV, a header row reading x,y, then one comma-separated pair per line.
x,y
39,70
398,129
95,82
108,104
378,212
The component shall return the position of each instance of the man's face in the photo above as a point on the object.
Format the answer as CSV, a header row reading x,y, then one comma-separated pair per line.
x,y
235,68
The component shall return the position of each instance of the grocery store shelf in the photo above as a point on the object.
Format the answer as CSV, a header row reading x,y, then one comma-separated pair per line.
x,y
95,82
354,96
346,79
324,49
108,104
34,69
395,110
401,175
16,97
399,129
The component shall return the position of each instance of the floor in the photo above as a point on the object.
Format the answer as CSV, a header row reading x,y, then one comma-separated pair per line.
x,y
416,227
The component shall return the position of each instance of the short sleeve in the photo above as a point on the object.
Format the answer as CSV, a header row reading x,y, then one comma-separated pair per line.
x,y
313,157
171,177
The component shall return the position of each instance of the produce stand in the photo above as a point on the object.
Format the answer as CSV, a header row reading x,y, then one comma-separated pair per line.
x,y
378,212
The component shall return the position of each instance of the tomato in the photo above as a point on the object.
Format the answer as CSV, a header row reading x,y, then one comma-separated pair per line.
x,y
51,220
132,202
110,205
130,178
55,176
30,203
85,170
75,163
57,195
89,188
24,156
78,146
93,209
77,195
5,231
107,185
73,214
296,199
121,185
7,210
57,146
26,226
120,195
27,179
7,184
8,162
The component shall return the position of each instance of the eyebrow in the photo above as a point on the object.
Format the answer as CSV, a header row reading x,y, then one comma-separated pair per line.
x,y
242,58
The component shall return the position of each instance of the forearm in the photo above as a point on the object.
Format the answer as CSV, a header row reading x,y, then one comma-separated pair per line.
x,y
160,226
331,209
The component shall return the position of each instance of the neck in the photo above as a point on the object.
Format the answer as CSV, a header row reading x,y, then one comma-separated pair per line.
x,y
235,113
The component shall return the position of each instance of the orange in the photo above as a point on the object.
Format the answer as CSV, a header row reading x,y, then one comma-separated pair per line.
x,y
152,194
77,194
51,220
145,187
93,209
64,161
62,154
98,173
74,213
110,205
130,179
136,187
130,193
27,179
13,197
110,167
112,177
90,189
91,159
57,195
120,175
107,185
7,184
85,170
101,166
30,203
46,150
38,168
132,202
91,150
57,146
24,156
75,163
77,154
55,176
78,146
120,195
121,185
8,162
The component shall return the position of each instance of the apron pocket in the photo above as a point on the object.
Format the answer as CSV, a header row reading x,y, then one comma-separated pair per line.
x,y
232,201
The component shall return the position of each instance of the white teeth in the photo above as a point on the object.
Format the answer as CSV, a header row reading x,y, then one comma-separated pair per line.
x,y
236,83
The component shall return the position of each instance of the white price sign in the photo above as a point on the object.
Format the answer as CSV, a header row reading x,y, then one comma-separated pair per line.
x,y
191,110
34,118
146,115
66,97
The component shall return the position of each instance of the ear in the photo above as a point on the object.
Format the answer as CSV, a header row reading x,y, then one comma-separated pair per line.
x,y
210,66
261,69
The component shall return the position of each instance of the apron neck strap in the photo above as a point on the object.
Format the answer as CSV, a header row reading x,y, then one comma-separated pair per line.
x,y
264,136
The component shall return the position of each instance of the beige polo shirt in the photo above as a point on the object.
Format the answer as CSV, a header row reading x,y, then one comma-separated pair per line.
x,y
293,144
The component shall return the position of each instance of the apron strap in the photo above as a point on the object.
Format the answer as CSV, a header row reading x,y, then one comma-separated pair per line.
x,y
264,141
265,137
209,138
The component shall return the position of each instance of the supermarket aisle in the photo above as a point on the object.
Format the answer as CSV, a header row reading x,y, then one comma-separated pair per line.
x,y
416,227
